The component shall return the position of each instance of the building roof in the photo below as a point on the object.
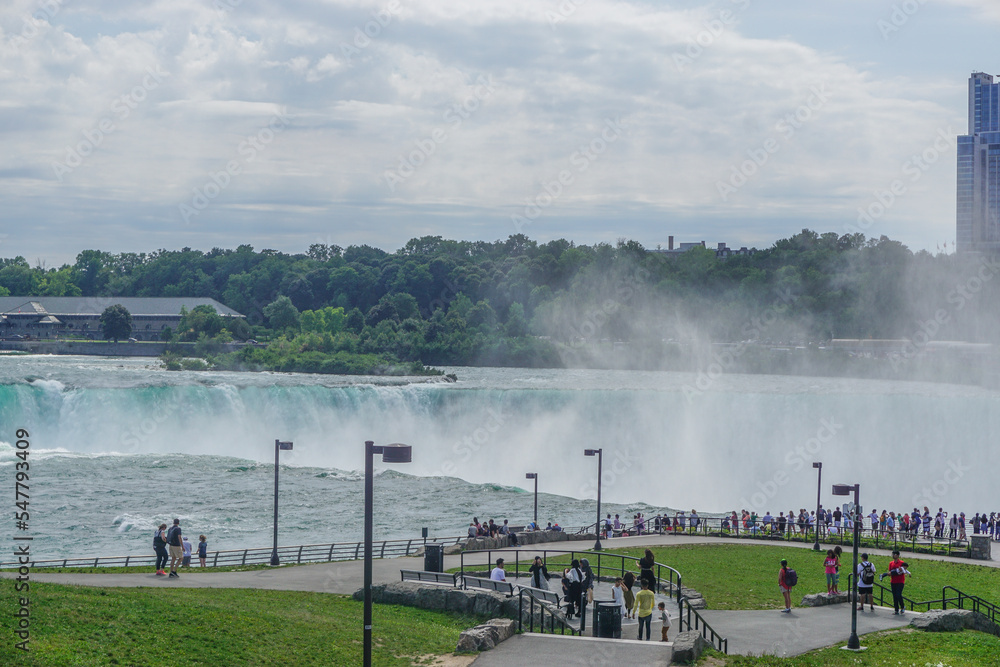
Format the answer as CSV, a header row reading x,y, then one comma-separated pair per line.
x,y
95,305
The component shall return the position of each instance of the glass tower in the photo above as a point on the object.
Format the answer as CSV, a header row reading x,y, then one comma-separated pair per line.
x,y
978,201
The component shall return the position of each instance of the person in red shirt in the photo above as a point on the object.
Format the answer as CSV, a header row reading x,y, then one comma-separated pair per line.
x,y
897,579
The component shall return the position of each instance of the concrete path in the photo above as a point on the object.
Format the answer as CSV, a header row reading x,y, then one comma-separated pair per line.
x,y
802,630
553,650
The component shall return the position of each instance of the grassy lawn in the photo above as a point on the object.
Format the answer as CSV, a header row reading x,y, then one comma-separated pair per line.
x,y
737,576
887,649
83,626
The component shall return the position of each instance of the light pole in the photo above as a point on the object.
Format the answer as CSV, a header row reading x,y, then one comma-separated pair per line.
x,y
278,446
599,453
853,644
819,485
534,476
394,453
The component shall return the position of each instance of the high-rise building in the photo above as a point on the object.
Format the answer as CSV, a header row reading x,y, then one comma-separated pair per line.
x,y
978,215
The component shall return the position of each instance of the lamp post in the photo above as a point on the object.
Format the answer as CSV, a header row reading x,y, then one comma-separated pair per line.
x,y
853,644
534,476
278,446
819,485
394,453
599,453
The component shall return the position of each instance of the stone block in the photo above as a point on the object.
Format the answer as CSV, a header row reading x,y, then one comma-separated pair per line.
x,y
944,620
486,636
688,647
822,599
980,547
488,603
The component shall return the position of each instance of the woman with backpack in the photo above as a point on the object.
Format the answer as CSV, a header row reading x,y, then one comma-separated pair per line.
x,y
160,548
786,579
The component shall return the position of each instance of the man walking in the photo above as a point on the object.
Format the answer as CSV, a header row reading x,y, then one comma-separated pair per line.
x,y
176,547
866,582
643,608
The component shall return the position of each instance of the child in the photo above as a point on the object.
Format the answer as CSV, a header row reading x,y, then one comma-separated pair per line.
x,y
186,562
665,619
202,550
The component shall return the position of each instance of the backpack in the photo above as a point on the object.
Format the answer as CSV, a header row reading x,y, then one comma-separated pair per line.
x,y
158,540
867,574
791,577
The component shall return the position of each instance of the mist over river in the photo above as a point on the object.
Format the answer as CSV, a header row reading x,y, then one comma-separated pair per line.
x,y
118,446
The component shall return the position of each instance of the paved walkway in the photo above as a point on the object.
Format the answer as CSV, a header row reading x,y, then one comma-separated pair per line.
x,y
748,631
552,650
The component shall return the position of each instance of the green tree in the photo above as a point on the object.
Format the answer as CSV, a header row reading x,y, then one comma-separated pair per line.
x,y
282,314
116,322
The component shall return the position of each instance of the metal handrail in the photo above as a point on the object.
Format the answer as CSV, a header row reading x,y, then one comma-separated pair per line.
x,y
306,553
672,581
978,604
717,641
543,609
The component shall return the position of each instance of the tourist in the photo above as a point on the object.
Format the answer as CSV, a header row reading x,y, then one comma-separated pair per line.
x,y
695,522
664,622
642,608
618,524
682,518
176,547
202,549
539,574
473,531
874,519
953,527
588,579
961,527
628,581
160,548
618,595
607,528
498,573
897,579
866,581
767,521
575,587
781,523
837,552
785,586
186,561
830,568
646,564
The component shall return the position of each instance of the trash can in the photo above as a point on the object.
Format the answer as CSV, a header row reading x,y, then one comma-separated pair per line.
x,y
608,620
434,558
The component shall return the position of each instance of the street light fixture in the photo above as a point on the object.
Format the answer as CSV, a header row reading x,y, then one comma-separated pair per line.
x,y
853,644
534,476
599,453
394,453
819,485
278,446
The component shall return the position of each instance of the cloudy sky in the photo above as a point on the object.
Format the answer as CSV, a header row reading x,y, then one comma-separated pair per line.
x,y
170,123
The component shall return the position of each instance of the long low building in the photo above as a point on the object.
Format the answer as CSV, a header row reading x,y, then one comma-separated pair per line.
x,y
80,316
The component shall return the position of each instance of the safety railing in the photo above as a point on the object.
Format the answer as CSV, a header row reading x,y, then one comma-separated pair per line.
x,y
546,609
975,603
305,553
694,621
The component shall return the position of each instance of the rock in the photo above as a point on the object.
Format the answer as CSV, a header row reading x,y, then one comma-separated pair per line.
x,y
944,620
688,647
453,549
697,603
822,599
488,603
486,636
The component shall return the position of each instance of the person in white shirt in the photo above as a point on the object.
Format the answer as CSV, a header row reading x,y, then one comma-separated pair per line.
x,y
498,573
186,561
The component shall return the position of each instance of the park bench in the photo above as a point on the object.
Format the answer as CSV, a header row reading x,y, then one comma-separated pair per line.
x,y
541,595
489,584
444,578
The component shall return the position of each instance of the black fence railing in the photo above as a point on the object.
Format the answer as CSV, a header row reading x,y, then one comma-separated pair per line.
x,y
692,620
541,610
955,599
304,553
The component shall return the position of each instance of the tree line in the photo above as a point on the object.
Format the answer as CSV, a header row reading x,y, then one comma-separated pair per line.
x,y
520,302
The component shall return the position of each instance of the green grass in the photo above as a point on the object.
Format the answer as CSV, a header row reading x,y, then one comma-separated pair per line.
x,y
82,626
892,648
745,576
